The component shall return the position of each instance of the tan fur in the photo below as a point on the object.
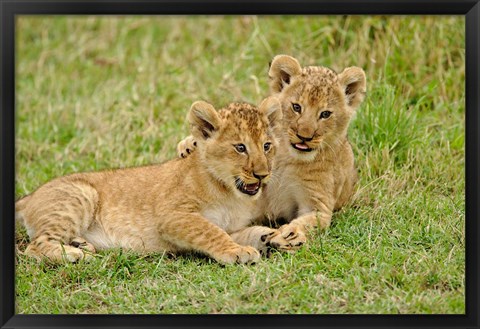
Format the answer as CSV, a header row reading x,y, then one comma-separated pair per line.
x,y
308,186
311,185
183,204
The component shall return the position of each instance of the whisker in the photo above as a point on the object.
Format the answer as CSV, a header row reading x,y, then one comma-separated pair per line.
x,y
331,148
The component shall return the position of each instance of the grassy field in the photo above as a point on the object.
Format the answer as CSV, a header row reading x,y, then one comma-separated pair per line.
x,y
95,93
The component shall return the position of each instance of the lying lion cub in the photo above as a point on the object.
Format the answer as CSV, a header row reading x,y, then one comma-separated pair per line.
x,y
203,203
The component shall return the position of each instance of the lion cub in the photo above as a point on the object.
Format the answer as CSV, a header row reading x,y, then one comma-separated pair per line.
x,y
203,203
315,159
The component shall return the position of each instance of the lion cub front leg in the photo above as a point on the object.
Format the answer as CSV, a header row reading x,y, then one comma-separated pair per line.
x,y
262,238
186,146
194,232
295,232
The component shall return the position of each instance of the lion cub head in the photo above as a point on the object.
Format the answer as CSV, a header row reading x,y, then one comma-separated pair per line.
x,y
317,103
237,143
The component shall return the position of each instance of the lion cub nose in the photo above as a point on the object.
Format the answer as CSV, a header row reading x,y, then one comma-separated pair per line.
x,y
259,176
305,139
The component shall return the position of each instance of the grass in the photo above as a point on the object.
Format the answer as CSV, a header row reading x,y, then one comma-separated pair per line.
x,y
103,92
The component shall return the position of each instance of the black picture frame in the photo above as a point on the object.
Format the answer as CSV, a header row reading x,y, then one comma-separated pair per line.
x,y
10,8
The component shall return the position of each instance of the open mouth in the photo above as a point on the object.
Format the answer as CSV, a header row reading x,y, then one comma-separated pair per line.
x,y
301,147
250,189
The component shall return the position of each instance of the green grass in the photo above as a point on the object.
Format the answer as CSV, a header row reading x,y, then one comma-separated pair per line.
x,y
98,92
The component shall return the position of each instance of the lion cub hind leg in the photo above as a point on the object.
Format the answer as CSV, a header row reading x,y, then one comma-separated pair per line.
x,y
56,215
54,251
194,232
81,243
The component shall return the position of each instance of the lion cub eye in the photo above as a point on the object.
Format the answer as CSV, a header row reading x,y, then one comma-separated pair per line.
x,y
296,107
267,146
240,148
325,114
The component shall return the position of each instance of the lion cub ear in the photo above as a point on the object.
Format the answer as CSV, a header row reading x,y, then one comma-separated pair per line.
x,y
204,120
272,108
354,83
282,69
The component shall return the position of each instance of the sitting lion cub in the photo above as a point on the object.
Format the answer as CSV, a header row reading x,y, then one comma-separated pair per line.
x,y
203,203
315,159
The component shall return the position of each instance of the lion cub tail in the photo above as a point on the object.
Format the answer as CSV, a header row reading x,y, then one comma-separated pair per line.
x,y
19,208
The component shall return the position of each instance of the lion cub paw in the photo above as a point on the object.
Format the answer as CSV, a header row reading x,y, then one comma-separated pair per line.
x,y
81,243
57,253
186,146
293,234
73,254
239,255
274,240
86,247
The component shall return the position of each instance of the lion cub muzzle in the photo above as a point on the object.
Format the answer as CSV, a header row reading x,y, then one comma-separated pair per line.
x,y
255,175
301,143
252,188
